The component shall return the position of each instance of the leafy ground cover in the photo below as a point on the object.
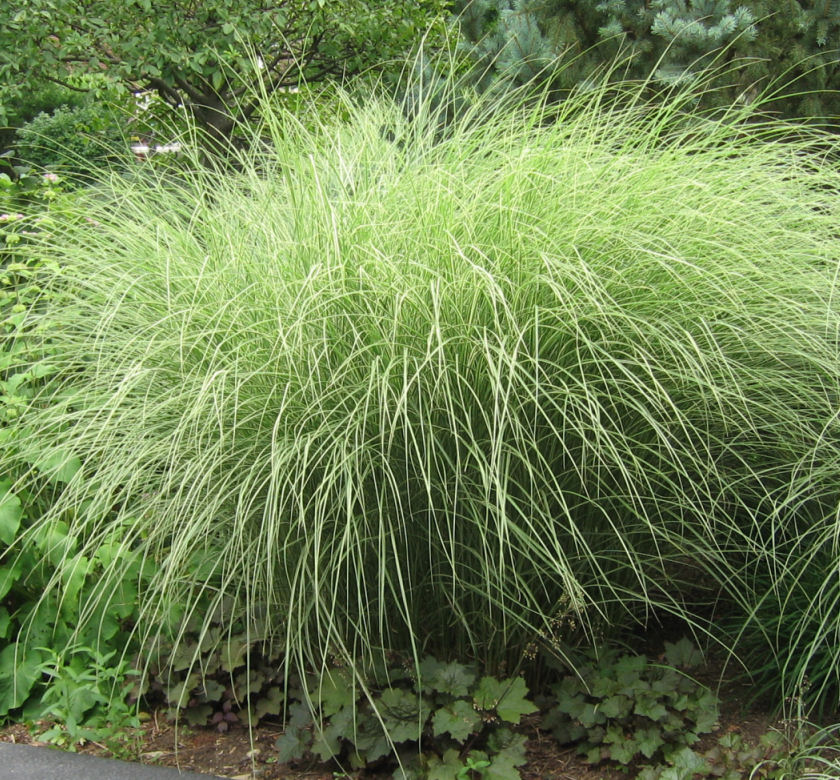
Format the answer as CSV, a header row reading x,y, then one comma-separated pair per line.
x,y
742,738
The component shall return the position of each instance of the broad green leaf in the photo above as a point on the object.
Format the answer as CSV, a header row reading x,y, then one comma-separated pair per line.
x,y
327,742
502,767
683,654
11,513
688,762
18,673
45,627
571,705
333,691
616,706
298,715
509,698
451,678
707,712
650,708
73,575
184,656
60,465
211,690
269,702
233,654
489,693
449,767
247,682
503,741
569,732
210,638
198,714
613,734
458,719
623,751
5,622
649,740
178,694
649,773
40,370
369,739
670,681
292,745
629,668
590,715
81,699
402,714
603,687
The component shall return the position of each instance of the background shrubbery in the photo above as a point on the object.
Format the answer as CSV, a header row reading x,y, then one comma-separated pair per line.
x,y
80,140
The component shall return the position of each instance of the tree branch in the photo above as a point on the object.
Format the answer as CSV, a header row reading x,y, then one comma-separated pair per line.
x,y
169,94
192,93
64,84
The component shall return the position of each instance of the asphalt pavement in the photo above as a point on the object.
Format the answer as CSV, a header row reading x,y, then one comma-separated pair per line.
x,y
25,762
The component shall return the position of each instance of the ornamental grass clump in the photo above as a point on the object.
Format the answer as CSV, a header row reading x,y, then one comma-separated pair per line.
x,y
453,388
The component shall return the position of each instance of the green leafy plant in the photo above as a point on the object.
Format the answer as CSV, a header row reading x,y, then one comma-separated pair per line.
x,y
626,709
74,140
730,758
808,752
212,674
38,625
58,666
443,722
87,698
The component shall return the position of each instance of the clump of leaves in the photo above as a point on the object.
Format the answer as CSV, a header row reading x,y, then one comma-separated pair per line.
x,y
625,708
35,625
730,758
442,723
87,698
214,674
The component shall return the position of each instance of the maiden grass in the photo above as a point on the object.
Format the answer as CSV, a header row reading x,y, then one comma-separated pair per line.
x,y
392,388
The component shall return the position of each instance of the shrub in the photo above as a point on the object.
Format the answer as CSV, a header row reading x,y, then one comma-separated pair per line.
x,y
78,139
388,389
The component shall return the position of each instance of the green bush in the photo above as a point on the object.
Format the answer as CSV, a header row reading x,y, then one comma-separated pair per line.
x,y
43,98
391,391
77,139
17,109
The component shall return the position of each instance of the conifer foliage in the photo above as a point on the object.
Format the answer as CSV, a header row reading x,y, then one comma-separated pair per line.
x,y
764,48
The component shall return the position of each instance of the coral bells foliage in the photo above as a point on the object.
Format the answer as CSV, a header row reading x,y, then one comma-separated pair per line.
x,y
393,386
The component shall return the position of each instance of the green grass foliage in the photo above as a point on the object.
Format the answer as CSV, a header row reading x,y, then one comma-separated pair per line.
x,y
524,377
